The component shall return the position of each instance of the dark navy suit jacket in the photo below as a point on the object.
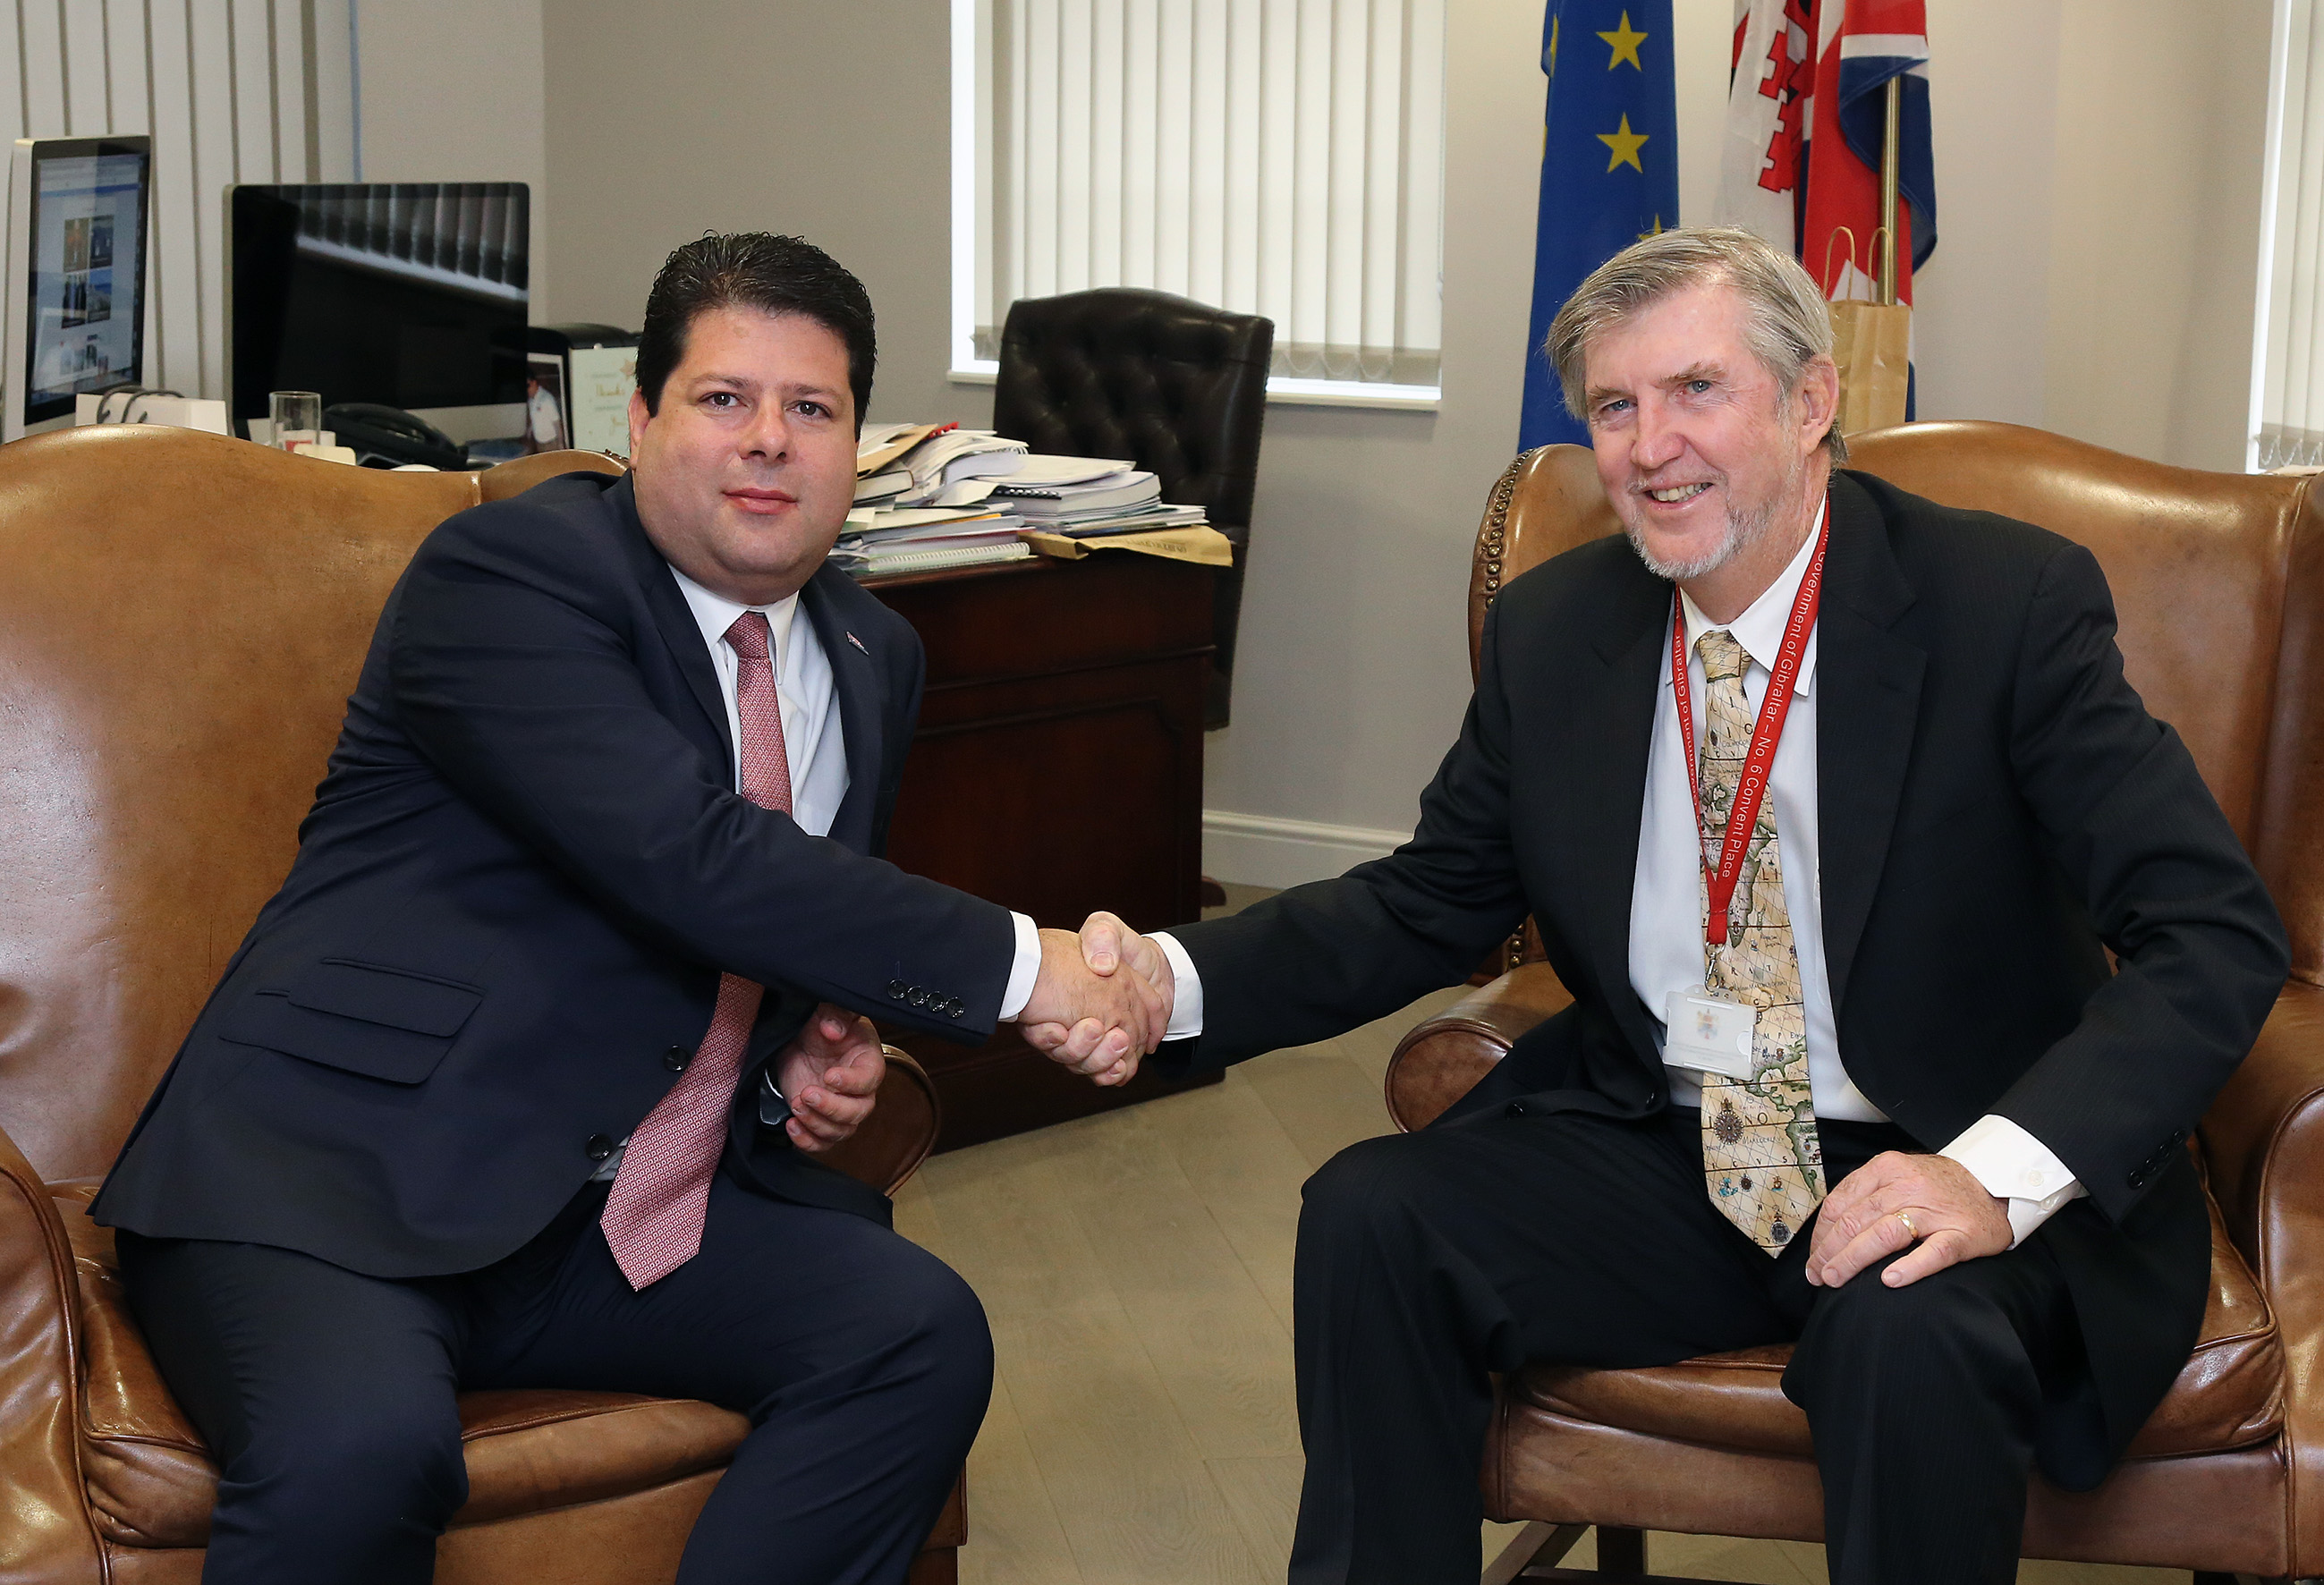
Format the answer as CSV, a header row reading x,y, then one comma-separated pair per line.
x,y
520,879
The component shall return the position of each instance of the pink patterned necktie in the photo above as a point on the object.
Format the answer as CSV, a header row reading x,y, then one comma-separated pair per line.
x,y
653,1217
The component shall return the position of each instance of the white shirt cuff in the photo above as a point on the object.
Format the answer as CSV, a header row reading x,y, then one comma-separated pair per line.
x,y
1187,1002
1024,971
2015,1166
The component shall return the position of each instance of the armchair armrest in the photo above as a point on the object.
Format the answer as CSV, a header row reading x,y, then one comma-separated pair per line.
x,y
2264,1147
2263,1150
1444,1056
900,1133
46,1537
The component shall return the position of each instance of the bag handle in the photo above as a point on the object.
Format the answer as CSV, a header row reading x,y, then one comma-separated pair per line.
x,y
1831,237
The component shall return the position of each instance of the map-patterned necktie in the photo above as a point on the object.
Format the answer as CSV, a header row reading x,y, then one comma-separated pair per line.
x,y
653,1217
1761,1159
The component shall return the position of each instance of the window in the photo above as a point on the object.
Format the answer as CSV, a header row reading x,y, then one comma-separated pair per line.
x,y
1277,157
230,90
2288,350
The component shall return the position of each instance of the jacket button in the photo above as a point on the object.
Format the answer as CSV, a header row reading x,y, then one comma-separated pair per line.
x,y
599,1146
896,989
676,1058
2137,1180
1514,1109
952,1009
919,996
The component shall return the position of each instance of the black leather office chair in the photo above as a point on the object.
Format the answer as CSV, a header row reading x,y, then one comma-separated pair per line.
x,y
1175,386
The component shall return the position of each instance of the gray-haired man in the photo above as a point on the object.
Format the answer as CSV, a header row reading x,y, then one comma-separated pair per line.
x,y
1849,1070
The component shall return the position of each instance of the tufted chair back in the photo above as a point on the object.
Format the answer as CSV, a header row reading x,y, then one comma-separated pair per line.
x,y
1175,386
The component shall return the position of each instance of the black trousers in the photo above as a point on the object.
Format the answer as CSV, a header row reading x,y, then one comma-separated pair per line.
x,y
1427,1261
861,1360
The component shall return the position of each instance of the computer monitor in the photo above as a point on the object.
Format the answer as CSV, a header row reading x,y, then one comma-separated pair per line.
x,y
76,289
411,294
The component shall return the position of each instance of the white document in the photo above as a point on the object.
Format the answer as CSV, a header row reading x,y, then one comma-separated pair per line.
x,y
598,396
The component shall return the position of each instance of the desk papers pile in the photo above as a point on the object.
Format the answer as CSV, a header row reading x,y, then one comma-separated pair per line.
x,y
931,497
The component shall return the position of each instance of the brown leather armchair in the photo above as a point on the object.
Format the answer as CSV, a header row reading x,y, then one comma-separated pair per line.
x,y
181,618
2219,584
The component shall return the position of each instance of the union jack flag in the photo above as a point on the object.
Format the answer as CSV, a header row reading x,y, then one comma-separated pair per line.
x,y
1803,67
1861,45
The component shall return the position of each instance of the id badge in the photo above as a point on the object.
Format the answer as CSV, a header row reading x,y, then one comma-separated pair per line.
x,y
1709,1033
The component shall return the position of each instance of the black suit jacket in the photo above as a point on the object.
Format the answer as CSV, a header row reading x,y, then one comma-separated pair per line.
x,y
520,879
1995,807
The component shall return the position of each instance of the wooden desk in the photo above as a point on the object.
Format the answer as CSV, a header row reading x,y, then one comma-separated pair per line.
x,y
1057,770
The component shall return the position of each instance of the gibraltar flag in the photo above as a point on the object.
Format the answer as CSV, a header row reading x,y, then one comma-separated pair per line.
x,y
1763,157
1860,46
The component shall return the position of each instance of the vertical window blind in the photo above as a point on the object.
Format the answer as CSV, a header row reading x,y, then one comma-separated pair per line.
x,y
229,90
2288,353
1277,157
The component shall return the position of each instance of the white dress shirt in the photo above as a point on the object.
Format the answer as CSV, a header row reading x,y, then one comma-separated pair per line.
x,y
1666,904
813,737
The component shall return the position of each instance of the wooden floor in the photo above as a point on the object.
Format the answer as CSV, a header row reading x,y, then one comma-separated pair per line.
x,y
1136,1269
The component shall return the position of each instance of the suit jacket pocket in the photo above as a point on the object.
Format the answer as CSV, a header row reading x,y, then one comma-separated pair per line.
x,y
363,1017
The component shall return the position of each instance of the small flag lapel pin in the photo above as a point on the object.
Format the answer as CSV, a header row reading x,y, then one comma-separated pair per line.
x,y
858,643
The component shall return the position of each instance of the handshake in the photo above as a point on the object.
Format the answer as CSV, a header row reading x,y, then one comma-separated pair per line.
x,y
1102,1000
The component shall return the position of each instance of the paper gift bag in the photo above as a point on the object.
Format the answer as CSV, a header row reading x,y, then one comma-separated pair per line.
x,y
1872,343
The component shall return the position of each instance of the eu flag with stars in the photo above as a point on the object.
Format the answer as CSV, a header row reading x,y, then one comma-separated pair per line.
x,y
1609,167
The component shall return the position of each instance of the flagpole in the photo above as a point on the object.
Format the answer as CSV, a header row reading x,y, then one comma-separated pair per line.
x,y
1890,131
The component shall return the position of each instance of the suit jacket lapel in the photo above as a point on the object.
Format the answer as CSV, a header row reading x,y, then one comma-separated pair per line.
x,y
862,706
1868,687
1616,728
673,620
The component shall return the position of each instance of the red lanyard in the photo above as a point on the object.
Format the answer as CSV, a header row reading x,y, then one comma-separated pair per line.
x,y
1757,764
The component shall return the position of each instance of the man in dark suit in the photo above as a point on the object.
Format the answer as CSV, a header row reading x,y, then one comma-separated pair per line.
x,y
1877,1009
617,771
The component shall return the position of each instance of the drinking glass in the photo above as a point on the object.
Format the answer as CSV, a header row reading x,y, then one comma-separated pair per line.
x,y
297,418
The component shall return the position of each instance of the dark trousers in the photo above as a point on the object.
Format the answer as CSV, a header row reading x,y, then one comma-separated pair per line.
x,y
1427,1261
862,1362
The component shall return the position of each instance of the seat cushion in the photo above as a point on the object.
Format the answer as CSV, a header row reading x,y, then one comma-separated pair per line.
x,y
2230,1394
152,1481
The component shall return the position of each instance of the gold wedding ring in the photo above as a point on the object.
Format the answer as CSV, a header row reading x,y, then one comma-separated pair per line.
x,y
1910,1231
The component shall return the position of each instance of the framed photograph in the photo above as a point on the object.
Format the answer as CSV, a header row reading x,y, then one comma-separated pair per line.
x,y
545,427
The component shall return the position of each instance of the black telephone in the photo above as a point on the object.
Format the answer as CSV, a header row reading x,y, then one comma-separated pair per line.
x,y
384,437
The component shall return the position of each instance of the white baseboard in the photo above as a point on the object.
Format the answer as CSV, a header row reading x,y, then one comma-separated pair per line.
x,y
1260,850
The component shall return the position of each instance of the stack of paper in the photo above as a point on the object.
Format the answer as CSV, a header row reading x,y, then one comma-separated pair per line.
x,y
929,496
879,541
904,519
1079,495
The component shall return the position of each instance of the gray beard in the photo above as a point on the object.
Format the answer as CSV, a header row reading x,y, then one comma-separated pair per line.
x,y
1744,529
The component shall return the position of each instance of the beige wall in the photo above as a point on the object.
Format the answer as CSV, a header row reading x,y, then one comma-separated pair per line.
x,y
2154,261
452,90
2097,189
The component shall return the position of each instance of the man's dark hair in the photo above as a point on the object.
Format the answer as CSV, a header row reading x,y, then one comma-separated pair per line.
x,y
754,270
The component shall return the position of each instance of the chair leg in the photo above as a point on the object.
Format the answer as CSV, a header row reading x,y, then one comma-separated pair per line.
x,y
1622,1552
1539,1545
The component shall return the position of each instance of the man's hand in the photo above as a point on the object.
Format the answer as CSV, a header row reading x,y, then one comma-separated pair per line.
x,y
1093,1019
1892,1200
830,1073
